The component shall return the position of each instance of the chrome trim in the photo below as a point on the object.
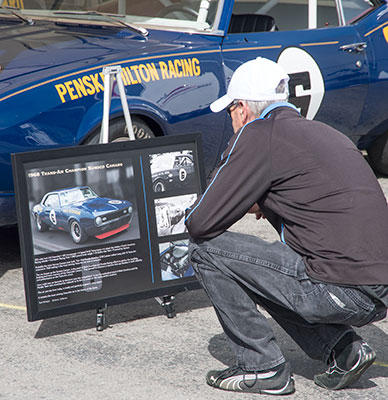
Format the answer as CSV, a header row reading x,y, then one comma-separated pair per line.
x,y
340,13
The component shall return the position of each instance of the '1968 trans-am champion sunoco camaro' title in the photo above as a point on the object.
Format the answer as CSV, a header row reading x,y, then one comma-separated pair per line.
x,y
177,56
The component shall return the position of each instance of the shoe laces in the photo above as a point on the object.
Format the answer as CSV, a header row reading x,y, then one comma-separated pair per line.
x,y
229,372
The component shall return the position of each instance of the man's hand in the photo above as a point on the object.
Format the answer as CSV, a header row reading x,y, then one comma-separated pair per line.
x,y
255,209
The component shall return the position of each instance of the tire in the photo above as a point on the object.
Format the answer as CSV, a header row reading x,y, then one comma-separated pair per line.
x,y
77,233
378,154
40,225
118,131
159,186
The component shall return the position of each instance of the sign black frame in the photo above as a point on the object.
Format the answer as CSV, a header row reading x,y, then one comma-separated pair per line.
x,y
63,277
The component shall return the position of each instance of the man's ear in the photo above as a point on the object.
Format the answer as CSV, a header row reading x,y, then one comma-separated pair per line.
x,y
245,112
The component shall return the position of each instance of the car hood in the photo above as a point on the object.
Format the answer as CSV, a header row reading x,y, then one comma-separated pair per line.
x,y
102,204
32,53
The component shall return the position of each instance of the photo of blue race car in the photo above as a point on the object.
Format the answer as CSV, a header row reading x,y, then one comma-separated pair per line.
x,y
82,213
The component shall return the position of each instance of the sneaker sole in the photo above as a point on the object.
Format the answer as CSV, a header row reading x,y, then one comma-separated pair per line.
x,y
351,376
288,388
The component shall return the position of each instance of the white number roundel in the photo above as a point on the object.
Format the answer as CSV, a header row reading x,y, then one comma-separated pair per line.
x,y
306,84
182,174
53,217
114,201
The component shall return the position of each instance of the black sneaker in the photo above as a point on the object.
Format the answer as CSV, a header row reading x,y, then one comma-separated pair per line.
x,y
276,381
347,367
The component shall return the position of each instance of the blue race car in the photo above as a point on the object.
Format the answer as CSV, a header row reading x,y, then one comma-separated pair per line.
x,y
82,213
177,56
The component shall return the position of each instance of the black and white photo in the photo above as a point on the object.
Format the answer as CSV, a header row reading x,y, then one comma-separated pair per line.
x,y
171,171
170,213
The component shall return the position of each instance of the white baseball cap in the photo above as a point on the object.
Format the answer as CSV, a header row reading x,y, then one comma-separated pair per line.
x,y
255,80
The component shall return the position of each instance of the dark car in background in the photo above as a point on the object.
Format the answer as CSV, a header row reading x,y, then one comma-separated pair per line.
x,y
172,172
177,56
82,213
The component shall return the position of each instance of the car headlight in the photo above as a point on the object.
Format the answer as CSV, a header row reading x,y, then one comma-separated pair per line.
x,y
130,209
98,221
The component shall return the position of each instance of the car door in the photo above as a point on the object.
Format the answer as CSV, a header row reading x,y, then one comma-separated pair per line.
x,y
326,62
51,210
185,170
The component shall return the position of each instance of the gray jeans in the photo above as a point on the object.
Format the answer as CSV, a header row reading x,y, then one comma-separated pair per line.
x,y
240,271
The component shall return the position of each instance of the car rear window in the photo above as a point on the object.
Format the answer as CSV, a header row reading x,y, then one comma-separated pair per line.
x,y
296,14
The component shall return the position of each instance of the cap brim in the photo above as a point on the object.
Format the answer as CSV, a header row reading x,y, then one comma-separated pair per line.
x,y
221,103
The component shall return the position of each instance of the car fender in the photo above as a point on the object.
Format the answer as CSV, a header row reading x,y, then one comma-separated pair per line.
x,y
71,218
93,117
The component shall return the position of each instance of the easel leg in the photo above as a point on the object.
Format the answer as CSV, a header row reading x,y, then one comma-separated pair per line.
x,y
101,318
168,304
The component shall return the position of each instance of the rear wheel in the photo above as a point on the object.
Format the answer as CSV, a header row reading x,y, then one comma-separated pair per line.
x,y
159,186
40,225
118,131
378,154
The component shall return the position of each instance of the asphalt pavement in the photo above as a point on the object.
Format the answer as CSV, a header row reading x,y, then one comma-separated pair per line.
x,y
142,354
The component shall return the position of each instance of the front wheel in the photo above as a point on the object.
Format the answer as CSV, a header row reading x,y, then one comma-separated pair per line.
x,y
378,154
118,131
77,233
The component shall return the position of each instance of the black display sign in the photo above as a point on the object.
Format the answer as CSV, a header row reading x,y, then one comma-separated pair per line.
x,y
104,224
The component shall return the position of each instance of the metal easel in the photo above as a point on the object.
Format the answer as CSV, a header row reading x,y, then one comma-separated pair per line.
x,y
112,74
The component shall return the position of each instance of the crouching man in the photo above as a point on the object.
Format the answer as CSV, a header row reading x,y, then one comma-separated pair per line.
x,y
329,270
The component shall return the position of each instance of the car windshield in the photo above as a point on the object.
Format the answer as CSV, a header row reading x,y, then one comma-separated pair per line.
x,y
191,14
182,162
162,163
76,195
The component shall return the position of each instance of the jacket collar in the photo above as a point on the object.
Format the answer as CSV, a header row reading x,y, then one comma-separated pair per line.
x,y
273,106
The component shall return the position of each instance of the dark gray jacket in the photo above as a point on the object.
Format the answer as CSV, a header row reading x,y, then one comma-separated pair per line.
x,y
313,186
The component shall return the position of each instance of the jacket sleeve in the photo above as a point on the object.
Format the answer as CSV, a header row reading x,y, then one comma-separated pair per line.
x,y
240,180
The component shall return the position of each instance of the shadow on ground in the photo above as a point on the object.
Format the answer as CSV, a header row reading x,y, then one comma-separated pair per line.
x,y
9,245
9,249
303,366
123,313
